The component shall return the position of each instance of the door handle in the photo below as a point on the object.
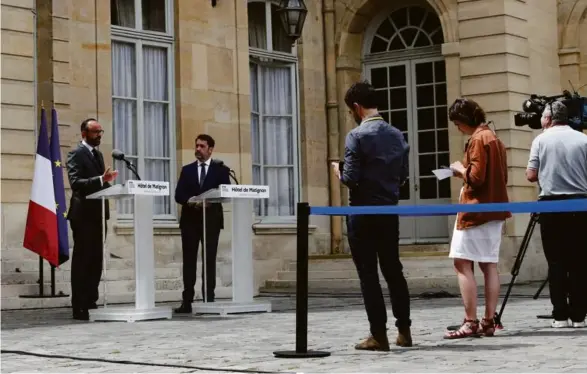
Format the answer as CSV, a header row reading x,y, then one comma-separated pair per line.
x,y
415,187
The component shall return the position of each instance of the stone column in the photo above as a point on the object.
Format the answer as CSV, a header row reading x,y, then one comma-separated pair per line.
x,y
508,49
570,65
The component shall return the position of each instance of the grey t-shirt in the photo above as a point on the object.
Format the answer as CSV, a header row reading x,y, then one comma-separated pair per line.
x,y
560,156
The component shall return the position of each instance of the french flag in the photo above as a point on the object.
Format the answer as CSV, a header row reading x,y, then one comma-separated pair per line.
x,y
41,234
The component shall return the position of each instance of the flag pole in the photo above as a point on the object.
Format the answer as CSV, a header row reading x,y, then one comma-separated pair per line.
x,y
52,281
41,278
41,293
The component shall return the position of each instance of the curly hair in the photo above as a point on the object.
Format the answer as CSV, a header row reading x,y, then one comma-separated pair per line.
x,y
467,111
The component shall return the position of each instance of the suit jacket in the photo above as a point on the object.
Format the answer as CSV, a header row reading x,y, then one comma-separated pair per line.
x,y
84,171
188,186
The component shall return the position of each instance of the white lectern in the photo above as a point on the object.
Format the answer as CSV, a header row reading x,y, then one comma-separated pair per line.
x,y
240,196
142,193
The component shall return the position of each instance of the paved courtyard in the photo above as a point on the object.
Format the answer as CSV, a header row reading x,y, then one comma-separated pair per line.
x,y
49,341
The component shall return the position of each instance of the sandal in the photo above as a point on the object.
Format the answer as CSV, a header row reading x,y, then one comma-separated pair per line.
x,y
487,326
468,328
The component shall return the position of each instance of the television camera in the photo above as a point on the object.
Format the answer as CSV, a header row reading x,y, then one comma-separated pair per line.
x,y
533,108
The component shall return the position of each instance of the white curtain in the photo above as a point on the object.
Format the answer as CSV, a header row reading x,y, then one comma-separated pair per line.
x,y
156,121
257,25
155,162
273,137
124,112
123,13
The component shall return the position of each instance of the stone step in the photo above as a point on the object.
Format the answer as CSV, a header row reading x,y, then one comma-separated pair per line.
x,y
113,287
128,297
32,277
28,265
423,262
417,285
423,272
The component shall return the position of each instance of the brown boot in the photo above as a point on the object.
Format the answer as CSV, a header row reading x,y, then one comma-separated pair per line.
x,y
374,344
404,337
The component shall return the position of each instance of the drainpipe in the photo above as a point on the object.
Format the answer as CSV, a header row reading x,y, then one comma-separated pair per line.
x,y
35,77
332,121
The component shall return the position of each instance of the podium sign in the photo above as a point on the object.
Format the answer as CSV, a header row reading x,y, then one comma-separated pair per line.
x,y
142,192
147,188
244,191
240,196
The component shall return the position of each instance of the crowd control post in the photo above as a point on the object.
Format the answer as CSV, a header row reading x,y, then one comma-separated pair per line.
x,y
303,222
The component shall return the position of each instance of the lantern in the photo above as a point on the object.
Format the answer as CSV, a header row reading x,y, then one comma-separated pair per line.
x,y
293,15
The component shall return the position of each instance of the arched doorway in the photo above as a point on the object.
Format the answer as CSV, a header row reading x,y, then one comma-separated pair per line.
x,y
402,59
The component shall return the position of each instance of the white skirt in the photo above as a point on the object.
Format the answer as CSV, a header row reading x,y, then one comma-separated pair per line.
x,y
477,244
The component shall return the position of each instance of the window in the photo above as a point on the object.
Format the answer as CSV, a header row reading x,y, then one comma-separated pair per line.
x,y
142,95
274,119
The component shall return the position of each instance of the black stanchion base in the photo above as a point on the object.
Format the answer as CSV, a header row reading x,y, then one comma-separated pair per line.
x,y
295,354
41,296
544,316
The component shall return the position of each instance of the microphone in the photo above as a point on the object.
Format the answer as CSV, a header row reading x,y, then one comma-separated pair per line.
x,y
119,155
231,173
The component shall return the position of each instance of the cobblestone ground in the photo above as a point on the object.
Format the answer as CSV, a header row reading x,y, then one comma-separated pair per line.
x,y
49,341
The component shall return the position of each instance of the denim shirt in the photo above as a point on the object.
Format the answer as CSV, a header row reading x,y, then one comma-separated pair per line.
x,y
375,163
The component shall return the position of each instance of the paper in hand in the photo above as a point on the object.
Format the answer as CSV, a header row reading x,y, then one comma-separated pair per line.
x,y
443,173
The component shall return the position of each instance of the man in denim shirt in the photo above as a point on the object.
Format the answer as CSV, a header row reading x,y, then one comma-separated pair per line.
x,y
375,166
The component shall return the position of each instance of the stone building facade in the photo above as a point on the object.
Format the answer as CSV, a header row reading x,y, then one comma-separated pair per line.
x,y
156,73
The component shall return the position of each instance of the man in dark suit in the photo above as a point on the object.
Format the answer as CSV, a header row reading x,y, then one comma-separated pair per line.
x,y
87,175
196,178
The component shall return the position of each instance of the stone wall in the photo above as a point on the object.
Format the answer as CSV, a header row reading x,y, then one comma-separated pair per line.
x,y
496,51
211,96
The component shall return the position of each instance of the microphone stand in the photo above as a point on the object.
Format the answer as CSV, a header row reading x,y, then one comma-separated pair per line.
x,y
232,175
132,168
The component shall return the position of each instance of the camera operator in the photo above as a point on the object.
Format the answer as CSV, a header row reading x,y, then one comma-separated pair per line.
x,y
558,162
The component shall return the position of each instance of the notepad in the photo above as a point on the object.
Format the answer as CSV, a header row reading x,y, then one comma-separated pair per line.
x,y
443,173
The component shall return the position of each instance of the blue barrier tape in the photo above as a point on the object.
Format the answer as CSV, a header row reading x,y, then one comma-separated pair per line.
x,y
574,205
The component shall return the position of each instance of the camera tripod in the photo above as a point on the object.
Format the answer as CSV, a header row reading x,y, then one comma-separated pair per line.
x,y
515,271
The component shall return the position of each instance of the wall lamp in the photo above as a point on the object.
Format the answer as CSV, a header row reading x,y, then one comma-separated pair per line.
x,y
293,14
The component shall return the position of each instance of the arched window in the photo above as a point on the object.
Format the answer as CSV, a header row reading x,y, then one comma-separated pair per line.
x,y
274,120
407,28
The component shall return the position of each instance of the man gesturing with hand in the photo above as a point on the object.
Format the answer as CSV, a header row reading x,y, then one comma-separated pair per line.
x,y
87,175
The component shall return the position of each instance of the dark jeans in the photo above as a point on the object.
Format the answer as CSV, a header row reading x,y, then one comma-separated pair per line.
x,y
373,237
191,237
564,240
86,263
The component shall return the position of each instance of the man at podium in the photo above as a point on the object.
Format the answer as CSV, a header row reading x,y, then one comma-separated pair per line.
x,y
87,175
196,178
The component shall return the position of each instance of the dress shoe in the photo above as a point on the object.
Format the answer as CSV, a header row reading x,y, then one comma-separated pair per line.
x,y
93,306
81,314
374,344
404,337
184,308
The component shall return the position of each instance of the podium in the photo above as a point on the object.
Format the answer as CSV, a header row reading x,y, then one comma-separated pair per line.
x,y
142,193
241,197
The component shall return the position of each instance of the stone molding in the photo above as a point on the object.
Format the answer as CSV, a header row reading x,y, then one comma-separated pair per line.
x,y
279,228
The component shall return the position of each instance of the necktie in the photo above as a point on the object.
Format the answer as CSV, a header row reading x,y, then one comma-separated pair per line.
x,y
97,160
202,174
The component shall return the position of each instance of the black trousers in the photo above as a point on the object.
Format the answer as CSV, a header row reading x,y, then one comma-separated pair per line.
x,y
86,262
372,238
564,240
191,237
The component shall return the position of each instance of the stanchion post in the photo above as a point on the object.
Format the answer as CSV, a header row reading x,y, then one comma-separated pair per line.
x,y
303,223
